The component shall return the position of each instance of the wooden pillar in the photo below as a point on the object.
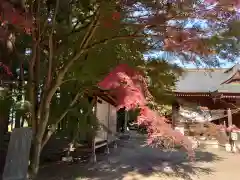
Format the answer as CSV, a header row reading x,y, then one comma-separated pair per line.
x,y
108,128
93,136
229,113
125,121
231,140
175,114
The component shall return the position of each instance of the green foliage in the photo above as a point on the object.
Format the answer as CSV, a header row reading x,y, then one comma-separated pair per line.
x,y
133,114
6,101
75,44
72,23
162,78
227,42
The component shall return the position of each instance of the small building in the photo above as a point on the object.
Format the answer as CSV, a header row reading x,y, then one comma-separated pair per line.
x,y
106,113
208,95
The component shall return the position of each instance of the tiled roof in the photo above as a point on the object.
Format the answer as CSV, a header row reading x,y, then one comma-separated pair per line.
x,y
199,80
229,88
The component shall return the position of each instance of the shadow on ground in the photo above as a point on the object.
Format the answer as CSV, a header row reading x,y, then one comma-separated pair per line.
x,y
133,161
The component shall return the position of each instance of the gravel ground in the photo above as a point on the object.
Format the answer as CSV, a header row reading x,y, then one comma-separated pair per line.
x,y
133,161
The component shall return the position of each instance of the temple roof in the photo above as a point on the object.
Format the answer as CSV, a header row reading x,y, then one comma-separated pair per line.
x,y
210,80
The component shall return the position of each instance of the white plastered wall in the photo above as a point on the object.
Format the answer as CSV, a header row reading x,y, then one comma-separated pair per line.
x,y
107,116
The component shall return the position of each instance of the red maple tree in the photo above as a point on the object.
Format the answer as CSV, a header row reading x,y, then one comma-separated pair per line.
x,y
130,89
128,85
15,16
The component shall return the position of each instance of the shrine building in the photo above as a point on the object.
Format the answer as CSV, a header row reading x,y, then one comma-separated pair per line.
x,y
208,95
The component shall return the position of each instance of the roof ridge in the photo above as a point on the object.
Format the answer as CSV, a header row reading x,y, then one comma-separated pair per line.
x,y
234,67
204,69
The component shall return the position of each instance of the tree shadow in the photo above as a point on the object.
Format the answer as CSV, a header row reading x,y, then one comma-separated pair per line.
x,y
134,160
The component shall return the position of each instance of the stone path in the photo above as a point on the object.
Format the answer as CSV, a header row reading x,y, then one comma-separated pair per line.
x,y
133,161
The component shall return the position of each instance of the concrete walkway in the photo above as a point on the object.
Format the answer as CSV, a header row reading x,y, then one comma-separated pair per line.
x,y
133,161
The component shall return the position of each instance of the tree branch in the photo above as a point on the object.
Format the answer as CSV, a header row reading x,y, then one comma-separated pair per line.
x,y
67,80
37,63
53,126
107,40
48,80
89,110
32,63
84,25
92,29
43,109
88,36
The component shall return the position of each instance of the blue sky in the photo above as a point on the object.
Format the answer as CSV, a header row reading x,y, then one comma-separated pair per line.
x,y
190,65
224,63
201,24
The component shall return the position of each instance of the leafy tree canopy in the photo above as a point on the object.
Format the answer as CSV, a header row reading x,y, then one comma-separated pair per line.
x,y
66,46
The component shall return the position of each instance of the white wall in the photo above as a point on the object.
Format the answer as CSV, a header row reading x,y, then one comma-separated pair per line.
x,y
112,122
107,116
194,114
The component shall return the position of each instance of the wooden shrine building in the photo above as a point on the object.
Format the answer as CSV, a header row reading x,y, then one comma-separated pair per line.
x,y
208,95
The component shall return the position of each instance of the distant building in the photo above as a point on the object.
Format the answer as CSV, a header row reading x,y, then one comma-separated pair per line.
x,y
208,95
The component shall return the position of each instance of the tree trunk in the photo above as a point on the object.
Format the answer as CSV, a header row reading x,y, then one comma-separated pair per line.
x,y
35,158
37,144
18,119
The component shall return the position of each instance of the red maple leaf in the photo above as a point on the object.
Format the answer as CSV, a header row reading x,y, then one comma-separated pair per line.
x,y
127,86
16,17
116,15
6,69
